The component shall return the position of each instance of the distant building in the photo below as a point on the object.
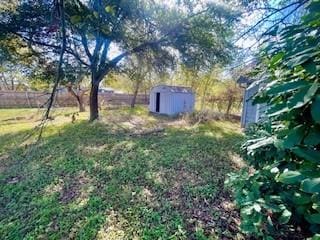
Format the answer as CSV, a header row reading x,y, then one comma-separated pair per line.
x,y
171,100
250,113
106,90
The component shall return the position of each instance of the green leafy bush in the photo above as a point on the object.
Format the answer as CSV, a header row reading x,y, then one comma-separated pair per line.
x,y
279,194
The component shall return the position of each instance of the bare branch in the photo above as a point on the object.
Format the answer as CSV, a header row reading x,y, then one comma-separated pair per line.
x,y
84,41
68,50
59,69
262,20
104,53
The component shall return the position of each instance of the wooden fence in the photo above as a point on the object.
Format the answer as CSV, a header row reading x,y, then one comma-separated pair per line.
x,y
35,99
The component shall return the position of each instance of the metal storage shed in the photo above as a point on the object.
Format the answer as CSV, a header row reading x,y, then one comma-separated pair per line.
x,y
171,100
251,113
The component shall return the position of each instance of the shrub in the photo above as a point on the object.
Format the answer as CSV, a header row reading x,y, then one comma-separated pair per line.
x,y
279,194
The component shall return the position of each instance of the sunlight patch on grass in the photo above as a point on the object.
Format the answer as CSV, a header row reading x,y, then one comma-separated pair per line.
x,y
54,187
91,150
146,195
113,229
237,160
157,177
100,181
75,229
124,146
110,167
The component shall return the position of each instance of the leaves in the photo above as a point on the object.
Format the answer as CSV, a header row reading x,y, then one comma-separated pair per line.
x,y
307,154
260,143
290,177
110,9
303,96
310,67
300,198
299,59
315,109
286,87
313,138
285,217
294,137
316,237
311,185
75,19
313,218
289,165
276,58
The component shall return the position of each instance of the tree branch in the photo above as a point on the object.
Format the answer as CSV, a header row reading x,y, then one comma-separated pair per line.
x,y
84,41
70,51
59,70
300,3
104,53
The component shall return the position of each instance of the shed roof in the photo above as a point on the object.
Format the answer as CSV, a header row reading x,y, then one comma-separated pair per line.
x,y
243,79
175,89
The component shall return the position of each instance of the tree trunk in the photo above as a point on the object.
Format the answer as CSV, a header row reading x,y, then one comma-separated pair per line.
x,y
82,108
78,97
230,103
134,98
94,107
12,84
204,94
5,84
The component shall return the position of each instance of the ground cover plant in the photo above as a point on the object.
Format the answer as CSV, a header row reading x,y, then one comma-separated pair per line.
x,y
116,182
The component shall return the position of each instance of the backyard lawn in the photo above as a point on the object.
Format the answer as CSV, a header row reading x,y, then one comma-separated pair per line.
x,y
114,179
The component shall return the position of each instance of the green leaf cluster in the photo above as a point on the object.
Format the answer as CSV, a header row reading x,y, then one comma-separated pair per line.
x,y
280,192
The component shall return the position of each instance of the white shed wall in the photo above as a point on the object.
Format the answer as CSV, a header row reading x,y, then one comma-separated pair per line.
x,y
152,102
252,113
165,102
182,102
171,103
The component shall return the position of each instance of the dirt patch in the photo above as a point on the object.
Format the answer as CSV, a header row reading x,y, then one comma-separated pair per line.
x,y
227,218
216,215
75,189
206,116
15,119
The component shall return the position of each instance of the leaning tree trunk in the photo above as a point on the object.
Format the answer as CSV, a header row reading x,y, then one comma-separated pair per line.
x,y
78,97
93,100
82,107
134,98
230,103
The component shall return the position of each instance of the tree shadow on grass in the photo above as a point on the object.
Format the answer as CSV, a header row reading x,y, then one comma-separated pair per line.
x,y
96,181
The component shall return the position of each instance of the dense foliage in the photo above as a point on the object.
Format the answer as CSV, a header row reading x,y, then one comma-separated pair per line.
x,y
280,194
101,35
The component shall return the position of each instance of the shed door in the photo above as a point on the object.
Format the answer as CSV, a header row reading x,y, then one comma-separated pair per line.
x,y
158,102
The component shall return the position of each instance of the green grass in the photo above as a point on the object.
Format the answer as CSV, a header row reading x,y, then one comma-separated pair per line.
x,y
104,181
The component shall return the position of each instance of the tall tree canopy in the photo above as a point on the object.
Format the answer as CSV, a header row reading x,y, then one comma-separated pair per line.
x,y
102,33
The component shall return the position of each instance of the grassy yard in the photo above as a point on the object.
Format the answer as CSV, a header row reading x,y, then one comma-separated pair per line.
x,y
109,180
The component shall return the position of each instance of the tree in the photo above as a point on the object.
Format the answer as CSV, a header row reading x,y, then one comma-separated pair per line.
x,y
137,72
42,77
15,61
144,66
74,76
95,28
